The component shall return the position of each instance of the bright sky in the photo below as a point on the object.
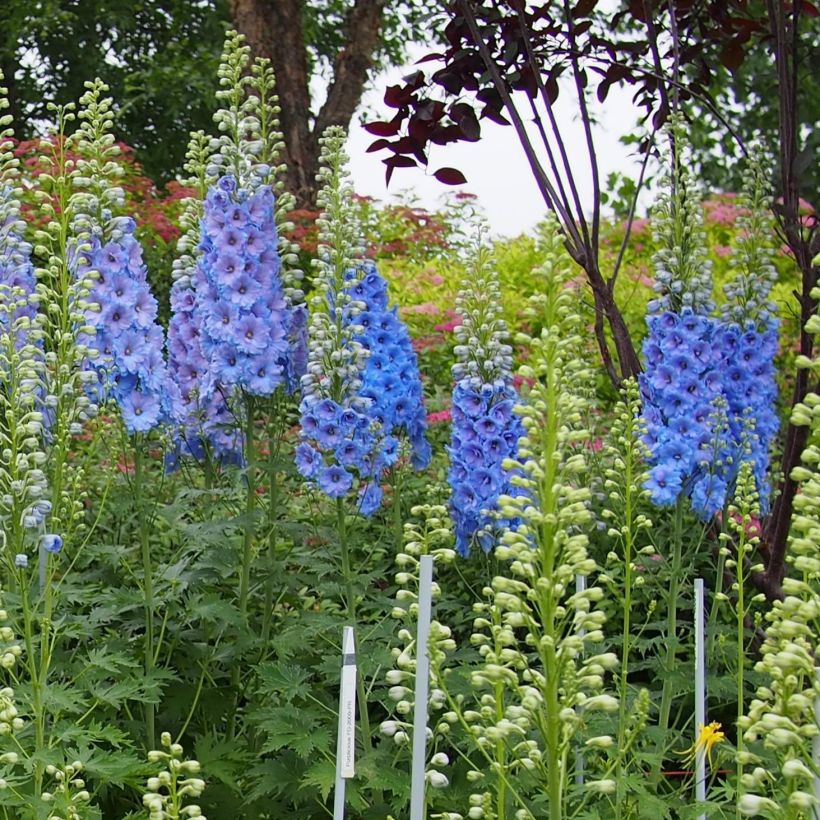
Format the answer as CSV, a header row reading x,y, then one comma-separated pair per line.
x,y
496,169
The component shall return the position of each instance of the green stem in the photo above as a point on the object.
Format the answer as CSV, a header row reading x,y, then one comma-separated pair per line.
x,y
147,586
672,618
274,442
741,660
250,506
627,614
398,519
350,596
38,679
247,548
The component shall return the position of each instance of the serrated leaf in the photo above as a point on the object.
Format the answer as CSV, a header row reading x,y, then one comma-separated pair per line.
x,y
322,775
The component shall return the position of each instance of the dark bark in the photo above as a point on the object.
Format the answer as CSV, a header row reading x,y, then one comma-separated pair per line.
x,y
785,34
274,30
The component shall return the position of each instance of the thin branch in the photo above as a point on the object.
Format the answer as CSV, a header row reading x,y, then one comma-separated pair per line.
x,y
554,127
548,191
539,125
630,218
587,123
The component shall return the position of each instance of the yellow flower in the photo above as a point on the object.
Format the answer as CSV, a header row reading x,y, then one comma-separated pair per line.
x,y
708,737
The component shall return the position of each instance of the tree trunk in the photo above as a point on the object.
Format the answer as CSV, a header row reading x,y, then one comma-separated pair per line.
x,y
273,29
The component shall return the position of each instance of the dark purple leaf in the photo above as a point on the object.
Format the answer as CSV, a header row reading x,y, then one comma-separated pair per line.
x,y
584,8
732,56
383,129
450,176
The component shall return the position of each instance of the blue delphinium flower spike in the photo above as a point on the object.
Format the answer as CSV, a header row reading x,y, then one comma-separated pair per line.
x,y
485,429
391,376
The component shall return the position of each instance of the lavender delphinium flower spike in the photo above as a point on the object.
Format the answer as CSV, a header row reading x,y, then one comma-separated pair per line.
x,y
126,347
485,429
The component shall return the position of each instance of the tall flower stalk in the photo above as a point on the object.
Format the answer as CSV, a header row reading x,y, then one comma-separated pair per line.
x,y
485,428
537,685
780,723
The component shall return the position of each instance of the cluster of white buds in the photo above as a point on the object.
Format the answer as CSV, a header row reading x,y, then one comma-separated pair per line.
x,y
10,647
782,716
335,359
625,477
10,721
200,148
683,270
98,196
168,791
429,533
241,150
482,353
70,798
748,292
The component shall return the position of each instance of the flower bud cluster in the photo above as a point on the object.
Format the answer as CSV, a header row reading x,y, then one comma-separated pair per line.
x,y
748,292
169,790
70,797
683,270
485,428
10,721
429,533
24,505
245,147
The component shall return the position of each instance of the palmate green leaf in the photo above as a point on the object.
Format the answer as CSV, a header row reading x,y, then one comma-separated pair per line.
x,y
210,607
285,681
224,760
300,731
121,768
322,776
92,732
63,698
278,779
101,659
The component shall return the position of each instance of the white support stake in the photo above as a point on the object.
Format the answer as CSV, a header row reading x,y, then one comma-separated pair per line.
x,y
346,738
700,693
580,586
417,779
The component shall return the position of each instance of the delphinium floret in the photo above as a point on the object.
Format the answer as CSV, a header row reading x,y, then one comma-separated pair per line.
x,y
485,428
343,446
